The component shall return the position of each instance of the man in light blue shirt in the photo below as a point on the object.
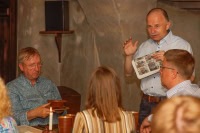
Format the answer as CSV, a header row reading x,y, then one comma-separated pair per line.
x,y
161,39
176,71
29,92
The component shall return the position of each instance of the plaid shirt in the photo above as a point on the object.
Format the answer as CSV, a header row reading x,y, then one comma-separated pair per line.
x,y
25,97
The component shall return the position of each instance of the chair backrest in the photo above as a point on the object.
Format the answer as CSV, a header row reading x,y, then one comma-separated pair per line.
x,y
72,97
136,115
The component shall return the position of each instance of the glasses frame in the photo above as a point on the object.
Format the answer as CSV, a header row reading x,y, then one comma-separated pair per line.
x,y
32,66
163,67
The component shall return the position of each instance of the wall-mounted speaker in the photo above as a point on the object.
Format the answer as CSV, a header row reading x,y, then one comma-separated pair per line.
x,y
56,15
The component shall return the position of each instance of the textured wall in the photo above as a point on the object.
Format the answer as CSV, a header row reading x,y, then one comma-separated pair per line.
x,y
100,28
30,22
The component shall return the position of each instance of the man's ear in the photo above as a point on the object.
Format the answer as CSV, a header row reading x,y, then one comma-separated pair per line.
x,y
168,25
174,74
192,78
21,67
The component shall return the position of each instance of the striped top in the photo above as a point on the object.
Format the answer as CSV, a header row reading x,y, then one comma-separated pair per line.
x,y
86,123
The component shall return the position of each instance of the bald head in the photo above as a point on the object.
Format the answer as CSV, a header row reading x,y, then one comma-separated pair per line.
x,y
159,10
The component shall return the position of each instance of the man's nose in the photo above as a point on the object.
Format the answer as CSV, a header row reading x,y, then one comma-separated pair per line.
x,y
37,67
153,30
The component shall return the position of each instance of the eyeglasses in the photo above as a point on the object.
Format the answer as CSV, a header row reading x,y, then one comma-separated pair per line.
x,y
32,66
163,67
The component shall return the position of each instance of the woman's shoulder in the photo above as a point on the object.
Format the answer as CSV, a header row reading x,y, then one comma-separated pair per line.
x,y
127,117
8,119
81,115
8,124
88,112
127,113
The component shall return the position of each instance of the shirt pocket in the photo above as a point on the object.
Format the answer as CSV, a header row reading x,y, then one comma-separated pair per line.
x,y
48,95
31,101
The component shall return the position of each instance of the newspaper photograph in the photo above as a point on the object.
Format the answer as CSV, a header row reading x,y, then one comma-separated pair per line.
x,y
145,66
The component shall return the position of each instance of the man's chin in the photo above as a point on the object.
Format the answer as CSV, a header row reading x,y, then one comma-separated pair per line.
x,y
155,38
163,84
36,76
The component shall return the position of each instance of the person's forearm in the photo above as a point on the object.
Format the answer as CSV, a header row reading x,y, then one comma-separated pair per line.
x,y
128,68
31,114
20,117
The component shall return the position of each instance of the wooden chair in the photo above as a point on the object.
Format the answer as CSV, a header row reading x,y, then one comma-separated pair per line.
x,y
136,114
72,97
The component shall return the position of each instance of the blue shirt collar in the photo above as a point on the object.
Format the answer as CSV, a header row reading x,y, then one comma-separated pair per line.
x,y
166,39
27,80
177,88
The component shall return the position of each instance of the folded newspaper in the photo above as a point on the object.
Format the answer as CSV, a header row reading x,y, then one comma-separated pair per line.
x,y
145,66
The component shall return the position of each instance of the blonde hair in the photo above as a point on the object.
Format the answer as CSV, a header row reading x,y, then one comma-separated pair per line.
x,y
179,114
104,94
182,60
5,106
26,53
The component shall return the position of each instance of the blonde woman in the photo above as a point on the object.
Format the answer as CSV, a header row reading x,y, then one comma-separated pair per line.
x,y
104,111
179,114
7,123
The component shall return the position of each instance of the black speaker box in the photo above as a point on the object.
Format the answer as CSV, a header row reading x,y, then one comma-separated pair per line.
x,y
56,15
4,3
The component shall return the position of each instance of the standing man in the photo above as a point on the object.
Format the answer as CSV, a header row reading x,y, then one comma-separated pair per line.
x,y
161,39
29,92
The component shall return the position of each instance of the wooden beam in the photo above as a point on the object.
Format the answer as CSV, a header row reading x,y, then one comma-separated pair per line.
x,y
186,5
183,4
184,0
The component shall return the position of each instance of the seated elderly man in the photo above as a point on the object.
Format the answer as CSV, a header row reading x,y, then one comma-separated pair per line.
x,y
29,92
176,72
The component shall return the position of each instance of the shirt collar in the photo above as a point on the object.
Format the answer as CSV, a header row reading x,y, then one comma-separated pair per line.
x,y
177,88
27,80
166,39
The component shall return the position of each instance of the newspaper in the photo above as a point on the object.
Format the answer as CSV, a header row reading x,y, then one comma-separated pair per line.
x,y
28,129
145,66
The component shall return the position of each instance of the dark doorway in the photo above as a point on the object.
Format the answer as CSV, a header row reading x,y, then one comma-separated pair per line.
x,y
8,39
